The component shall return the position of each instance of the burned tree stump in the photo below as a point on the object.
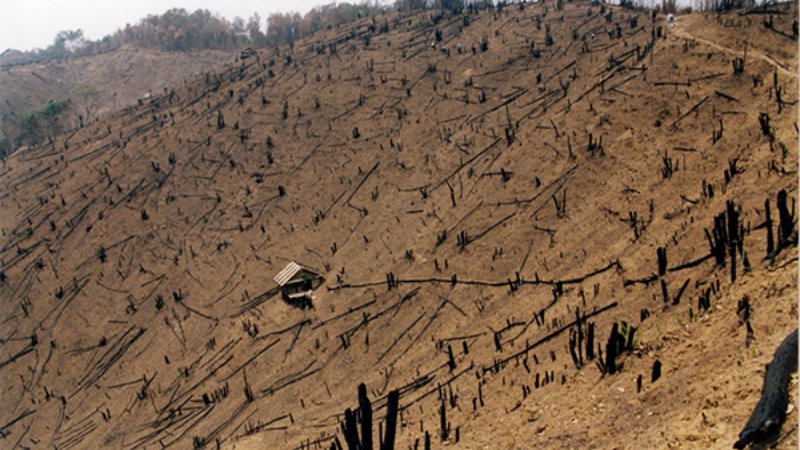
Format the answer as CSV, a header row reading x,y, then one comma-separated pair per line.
x,y
365,410
768,225
661,253
350,430
391,420
669,167
656,374
726,237
614,347
766,130
785,220
445,427
738,65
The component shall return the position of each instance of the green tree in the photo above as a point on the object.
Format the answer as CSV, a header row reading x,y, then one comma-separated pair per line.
x,y
35,125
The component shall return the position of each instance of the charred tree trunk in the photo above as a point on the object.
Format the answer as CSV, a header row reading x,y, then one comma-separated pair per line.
x,y
770,411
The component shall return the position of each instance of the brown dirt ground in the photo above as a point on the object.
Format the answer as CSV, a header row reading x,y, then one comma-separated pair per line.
x,y
112,366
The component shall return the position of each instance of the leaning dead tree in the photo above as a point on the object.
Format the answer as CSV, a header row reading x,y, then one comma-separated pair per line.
x,y
770,411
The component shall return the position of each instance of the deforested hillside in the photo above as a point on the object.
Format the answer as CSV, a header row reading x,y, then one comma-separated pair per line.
x,y
75,80
549,225
42,99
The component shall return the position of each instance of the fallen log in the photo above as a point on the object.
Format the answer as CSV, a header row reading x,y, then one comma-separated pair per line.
x,y
691,110
547,338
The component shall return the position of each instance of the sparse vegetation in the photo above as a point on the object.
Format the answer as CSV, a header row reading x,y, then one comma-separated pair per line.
x,y
38,124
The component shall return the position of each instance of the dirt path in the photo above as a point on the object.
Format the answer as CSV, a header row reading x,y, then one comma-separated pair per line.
x,y
751,53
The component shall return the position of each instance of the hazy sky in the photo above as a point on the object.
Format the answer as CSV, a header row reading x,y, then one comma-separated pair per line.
x,y
26,24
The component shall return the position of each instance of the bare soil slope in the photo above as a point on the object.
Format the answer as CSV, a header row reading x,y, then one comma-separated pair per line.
x,y
471,211
100,84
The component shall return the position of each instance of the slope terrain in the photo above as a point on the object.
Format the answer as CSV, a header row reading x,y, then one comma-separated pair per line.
x,y
481,191
94,86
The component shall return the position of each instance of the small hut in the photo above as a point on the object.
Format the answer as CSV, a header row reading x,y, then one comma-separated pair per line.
x,y
298,282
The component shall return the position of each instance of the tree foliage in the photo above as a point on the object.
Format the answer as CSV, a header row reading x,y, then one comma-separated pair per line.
x,y
179,30
175,30
283,28
34,125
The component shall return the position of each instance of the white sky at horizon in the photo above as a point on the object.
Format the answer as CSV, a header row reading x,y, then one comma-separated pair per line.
x,y
28,24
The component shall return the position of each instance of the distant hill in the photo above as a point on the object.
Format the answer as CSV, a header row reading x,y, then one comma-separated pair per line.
x,y
40,100
175,30
179,30
75,80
